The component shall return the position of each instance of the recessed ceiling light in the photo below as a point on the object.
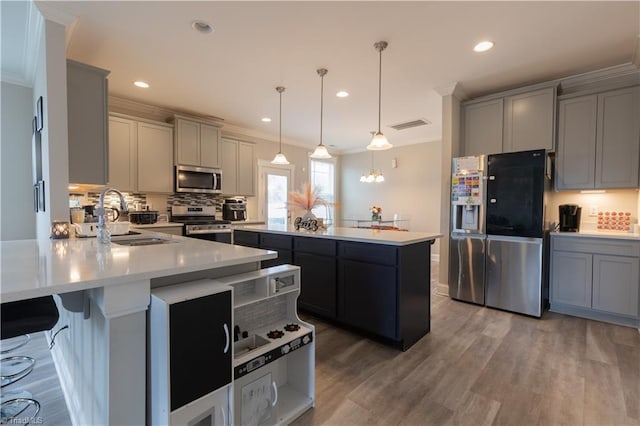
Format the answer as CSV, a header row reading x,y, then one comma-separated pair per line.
x,y
142,84
483,46
202,27
266,120
342,94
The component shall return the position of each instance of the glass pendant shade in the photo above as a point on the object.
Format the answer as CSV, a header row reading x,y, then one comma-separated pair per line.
x,y
280,158
321,151
379,143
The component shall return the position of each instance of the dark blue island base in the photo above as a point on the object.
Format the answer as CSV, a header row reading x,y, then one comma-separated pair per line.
x,y
380,290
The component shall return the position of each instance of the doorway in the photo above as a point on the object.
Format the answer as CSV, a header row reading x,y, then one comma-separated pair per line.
x,y
274,184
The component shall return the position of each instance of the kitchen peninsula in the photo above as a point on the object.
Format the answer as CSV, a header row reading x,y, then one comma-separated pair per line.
x,y
105,290
374,281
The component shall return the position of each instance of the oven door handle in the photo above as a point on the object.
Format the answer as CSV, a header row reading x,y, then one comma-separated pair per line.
x,y
209,231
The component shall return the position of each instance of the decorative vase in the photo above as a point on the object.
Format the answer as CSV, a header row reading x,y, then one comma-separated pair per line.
x,y
309,215
375,217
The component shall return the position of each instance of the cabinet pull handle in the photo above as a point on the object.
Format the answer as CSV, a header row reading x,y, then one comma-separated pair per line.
x,y
275,394
226,333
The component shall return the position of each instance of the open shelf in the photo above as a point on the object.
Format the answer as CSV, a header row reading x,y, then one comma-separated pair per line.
x,y
259,285
291,403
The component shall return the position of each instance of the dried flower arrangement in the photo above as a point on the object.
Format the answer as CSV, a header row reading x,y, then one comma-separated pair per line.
x,y
307,198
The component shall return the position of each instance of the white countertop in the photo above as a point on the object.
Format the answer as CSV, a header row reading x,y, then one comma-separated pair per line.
x,y
34,268
599,234
376,236
156,225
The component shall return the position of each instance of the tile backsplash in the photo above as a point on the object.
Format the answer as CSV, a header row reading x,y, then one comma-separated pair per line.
x,y
159,202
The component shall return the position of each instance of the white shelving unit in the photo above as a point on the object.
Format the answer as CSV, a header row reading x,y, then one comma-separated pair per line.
x,y
274,378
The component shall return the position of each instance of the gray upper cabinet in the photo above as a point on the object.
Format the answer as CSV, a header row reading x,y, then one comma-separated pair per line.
x,y
518,120
140,155
87,118
483,128
529,120
599,141
576,153
237,160
196,143
618,139
155,158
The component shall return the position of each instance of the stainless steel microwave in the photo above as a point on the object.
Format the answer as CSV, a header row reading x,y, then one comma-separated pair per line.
x,y
198,179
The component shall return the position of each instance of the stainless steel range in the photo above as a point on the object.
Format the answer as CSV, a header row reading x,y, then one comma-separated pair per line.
x,y
200,222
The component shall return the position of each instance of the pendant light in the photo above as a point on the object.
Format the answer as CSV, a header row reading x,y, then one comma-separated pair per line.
x,y
379,142
280,158
374,175
321,150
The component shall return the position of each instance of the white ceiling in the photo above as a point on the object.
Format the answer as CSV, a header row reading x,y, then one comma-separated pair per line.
x,y
232,73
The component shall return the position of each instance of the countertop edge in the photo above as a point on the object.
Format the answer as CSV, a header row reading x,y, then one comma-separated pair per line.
x,y
599,235
424,237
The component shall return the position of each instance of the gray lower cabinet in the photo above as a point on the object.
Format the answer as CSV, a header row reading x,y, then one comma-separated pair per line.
x,y
596,278
87,123
572,280
615,284
599,141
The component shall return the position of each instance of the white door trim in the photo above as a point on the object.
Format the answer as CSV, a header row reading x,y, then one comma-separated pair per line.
x,y
262,164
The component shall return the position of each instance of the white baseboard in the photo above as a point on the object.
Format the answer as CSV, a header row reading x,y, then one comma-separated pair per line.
x,y
68,389
442,289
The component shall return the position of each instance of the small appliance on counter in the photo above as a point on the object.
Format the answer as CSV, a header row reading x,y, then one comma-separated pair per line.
x,y
144,217
569,217
234,209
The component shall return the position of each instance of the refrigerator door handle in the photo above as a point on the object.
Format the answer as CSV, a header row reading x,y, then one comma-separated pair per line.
x,y
527,240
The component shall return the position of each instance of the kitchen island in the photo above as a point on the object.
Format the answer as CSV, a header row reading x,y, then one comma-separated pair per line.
x,y
373,281
104,292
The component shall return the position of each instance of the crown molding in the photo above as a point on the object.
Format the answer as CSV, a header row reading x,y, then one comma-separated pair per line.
x,y
454,89
617,75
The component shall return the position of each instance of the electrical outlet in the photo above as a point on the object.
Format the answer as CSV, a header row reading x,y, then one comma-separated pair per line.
x,y
593,210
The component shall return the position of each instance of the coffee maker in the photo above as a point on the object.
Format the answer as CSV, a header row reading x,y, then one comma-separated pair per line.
x,y
570,217
234,209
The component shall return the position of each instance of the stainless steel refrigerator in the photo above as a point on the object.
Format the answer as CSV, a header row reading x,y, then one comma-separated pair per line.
x,y
516,231
468,239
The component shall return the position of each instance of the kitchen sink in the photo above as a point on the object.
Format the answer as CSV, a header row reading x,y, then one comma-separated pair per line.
x,y
248,344
140,241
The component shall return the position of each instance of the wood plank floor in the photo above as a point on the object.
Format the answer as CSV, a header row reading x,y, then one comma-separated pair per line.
x,y
478,366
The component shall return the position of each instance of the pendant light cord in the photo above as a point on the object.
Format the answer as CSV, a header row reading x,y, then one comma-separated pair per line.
x,y
380,89
321,103
280,120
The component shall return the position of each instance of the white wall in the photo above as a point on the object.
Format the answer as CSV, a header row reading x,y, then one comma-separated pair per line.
x,y
51,83
411,190
17,217
611,200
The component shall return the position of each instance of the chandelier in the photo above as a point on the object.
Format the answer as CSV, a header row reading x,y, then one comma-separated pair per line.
x,y
374,176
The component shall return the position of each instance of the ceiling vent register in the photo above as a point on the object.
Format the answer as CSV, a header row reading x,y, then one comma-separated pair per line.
x,y
410,124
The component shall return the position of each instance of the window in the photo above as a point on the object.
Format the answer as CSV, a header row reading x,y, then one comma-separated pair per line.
x,y
322,175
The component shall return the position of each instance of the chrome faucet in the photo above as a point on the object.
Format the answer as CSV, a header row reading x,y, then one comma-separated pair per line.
x,y
103,233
